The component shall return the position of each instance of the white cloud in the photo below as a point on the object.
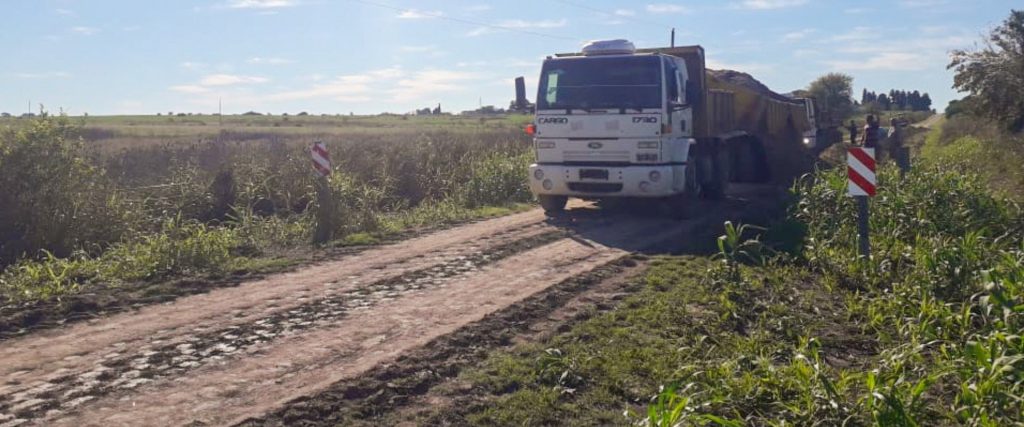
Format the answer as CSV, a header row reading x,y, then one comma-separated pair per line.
x,y
191,65
624,12
666,8
261,4
230,79
257,60
397,84
910,54
934,45
856,10
43,75
890,61
935,29
85,31
770,4
419,14
190,89
804,53
423,84
479,8
348,88
855,34
544,23
797,35
419,49
916,4
518,24
65,12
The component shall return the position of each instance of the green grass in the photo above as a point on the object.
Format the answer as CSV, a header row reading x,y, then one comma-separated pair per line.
x,y
926,332
972,145
145,213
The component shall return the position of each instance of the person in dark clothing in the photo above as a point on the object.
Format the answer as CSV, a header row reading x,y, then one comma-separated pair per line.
x,y
870,137
853,132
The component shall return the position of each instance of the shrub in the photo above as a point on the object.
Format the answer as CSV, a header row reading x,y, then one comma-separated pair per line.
x,y
53,198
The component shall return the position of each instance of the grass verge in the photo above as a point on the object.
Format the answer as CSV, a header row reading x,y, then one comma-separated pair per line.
x,y
926,332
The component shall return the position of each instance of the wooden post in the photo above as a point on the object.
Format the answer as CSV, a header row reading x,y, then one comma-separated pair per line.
x,y
325,203
863,229
324,213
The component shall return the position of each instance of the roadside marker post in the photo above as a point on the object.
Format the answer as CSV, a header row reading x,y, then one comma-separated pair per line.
x,y
861,183
325,210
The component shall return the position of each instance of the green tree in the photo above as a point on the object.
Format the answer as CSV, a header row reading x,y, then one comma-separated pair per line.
x,y
994,74
834,95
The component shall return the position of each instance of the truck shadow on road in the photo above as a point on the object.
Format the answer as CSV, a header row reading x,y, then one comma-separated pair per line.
x,y
640,229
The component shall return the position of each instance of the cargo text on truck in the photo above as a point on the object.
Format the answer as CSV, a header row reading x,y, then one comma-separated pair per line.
x,y
618,122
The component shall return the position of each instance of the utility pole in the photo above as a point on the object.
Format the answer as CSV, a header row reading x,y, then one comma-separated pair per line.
x,y
673,43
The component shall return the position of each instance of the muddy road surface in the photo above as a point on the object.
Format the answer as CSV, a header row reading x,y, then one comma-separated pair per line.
x,y
337,330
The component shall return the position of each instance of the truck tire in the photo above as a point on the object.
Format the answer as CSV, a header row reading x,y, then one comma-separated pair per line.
x,y
745,160
552,204
686,204
718,183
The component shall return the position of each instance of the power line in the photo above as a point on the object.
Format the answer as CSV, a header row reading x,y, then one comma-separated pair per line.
x,y
465,21
605,12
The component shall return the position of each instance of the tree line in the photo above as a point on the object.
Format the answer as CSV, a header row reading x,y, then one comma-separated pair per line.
x,y
900,100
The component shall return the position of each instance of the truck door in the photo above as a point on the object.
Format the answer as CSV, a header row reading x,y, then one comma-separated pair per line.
x,y
678,121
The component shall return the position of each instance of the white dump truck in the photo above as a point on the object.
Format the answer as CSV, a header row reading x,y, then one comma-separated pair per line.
x,y
614,121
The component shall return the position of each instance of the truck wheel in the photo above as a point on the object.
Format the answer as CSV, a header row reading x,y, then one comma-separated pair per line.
x,y
718,184
685,204
747,167
552,204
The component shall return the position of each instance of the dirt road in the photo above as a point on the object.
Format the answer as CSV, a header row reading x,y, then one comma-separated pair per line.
x,y
236,354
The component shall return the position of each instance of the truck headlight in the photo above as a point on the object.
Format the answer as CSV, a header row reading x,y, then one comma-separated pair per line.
x,y
647,144
538,174
545,144
647,157
655,176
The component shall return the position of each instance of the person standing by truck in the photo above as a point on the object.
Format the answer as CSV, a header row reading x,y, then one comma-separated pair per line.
x,y
870,137
853,132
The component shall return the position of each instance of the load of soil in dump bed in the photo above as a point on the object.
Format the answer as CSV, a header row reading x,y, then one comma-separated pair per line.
x,y
746,80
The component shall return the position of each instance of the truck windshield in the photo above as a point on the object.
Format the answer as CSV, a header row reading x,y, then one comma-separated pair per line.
x,y
595,82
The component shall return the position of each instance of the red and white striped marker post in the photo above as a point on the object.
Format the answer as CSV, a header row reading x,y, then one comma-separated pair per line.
x,y
325,209
862,182
321,158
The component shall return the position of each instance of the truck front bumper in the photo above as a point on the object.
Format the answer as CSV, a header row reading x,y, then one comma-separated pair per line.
x,y
590,181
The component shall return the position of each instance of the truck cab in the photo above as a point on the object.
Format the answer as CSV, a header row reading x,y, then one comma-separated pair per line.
x,y
612,122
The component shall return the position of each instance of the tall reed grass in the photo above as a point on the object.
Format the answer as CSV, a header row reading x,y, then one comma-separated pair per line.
x,y
74,212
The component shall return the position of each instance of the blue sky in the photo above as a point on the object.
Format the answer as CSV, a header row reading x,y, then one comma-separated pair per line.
x,y
369,56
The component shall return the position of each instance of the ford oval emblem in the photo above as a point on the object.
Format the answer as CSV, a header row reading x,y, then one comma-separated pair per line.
x,y
595,145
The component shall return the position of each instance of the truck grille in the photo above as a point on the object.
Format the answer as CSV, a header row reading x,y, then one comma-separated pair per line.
x,y
595,187
610,156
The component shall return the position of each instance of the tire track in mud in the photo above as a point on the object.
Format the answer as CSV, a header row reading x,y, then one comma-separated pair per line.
x,y
223,361
391,386
235,389
118,372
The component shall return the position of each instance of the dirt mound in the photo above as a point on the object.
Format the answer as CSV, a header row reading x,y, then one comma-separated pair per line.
x,y
740,78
